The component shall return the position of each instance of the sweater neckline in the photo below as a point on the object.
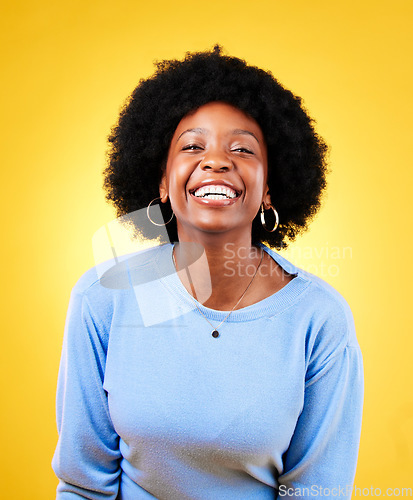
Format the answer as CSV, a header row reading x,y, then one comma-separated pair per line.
x,y
269,306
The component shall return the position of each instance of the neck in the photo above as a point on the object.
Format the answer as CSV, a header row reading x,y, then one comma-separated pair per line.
x,y
216,269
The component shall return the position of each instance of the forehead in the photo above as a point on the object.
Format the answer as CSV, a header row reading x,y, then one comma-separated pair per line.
x,y
218,117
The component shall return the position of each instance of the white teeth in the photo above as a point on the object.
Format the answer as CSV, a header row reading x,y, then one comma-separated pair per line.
x,y
213,192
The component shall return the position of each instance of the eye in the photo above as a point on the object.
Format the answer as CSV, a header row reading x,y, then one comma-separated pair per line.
x,y
243,150
191,147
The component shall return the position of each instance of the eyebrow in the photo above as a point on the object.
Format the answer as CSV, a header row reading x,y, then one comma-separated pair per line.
x,y
237,131
240,131
196,130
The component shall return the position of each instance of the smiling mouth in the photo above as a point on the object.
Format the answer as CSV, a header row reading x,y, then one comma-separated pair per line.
x,y
215,192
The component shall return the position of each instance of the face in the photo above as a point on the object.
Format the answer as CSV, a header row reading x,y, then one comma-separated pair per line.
x,y
216,171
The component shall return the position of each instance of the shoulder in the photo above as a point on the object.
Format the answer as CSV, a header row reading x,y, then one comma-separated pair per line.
x,y
318,286
87,281
116,273
331,305
113,280
325,311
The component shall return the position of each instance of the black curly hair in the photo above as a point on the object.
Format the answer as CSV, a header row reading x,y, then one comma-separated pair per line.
x,y
140,141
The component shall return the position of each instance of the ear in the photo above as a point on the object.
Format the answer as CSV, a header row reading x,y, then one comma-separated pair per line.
x,y
266,199
163,190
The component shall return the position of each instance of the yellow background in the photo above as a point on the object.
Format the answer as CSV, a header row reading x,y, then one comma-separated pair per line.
x,y
68,67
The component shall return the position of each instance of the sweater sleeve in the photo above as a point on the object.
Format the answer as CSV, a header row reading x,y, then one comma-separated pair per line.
x,y
322,456
86,459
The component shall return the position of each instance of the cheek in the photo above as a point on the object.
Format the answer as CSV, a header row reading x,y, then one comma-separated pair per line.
x,y
257,181
177,179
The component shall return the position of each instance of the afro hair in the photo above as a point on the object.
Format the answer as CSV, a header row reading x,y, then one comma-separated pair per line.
x,y
140,140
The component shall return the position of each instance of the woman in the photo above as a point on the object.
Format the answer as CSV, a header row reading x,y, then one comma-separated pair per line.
x,y
222,371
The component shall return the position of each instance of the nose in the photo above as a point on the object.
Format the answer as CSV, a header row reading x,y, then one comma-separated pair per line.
x,y
216,161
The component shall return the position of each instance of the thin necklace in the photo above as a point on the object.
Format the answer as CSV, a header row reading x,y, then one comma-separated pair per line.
x,y
215,332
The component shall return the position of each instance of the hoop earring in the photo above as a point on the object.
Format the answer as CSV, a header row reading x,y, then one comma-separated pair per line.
x,y
263,219
149,217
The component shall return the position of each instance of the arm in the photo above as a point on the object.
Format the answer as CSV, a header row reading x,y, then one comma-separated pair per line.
x,y
87,456
323,450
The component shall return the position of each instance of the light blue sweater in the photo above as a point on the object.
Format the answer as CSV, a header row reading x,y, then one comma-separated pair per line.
x,y
150,405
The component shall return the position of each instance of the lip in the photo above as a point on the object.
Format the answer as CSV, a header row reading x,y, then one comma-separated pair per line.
x,y
215,203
